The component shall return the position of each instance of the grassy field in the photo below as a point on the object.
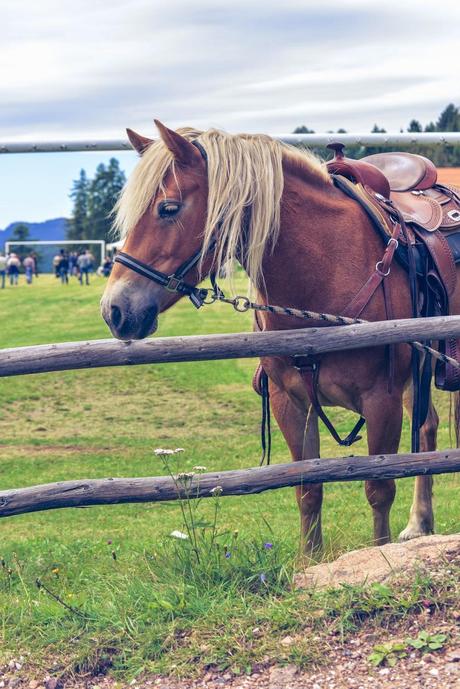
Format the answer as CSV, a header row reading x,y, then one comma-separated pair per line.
x,y
131,588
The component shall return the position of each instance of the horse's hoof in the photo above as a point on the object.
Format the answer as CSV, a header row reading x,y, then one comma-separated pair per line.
x,y
411,532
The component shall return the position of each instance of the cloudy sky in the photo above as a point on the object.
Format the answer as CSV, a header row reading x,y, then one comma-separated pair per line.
x,y
89,68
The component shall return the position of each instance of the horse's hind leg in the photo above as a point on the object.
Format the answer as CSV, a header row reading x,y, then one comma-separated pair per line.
x,y
302,437
384,421
421,520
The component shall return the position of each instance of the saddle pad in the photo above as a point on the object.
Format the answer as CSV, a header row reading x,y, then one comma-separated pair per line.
x,y
418,208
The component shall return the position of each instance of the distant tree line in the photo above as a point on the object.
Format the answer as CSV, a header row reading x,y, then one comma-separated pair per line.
x,y
93,202
94,199
441,155
21,233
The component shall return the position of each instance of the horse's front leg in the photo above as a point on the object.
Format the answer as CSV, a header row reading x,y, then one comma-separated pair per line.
x,y
300,430
383,414
421,519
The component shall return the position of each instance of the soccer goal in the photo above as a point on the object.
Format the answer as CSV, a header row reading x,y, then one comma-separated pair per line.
x,y
46,249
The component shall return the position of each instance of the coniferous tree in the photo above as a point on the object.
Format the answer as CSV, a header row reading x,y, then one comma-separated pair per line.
x,y
78,223
303,130
104,190
414,126
94,200
449,119
20,233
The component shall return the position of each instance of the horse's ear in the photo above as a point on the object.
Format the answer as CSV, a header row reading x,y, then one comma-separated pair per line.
x,y
184,151
138,142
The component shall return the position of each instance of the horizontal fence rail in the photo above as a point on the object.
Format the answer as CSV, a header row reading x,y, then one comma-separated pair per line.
x,y
108,491
306,341
320,139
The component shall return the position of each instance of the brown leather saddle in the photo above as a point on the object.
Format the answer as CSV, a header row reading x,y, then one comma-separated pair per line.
x,y
409,181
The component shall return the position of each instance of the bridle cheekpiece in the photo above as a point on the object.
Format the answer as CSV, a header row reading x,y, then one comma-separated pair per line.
x,y
174,282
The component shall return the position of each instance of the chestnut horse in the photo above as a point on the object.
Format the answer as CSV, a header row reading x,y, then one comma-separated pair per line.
x,y
303,244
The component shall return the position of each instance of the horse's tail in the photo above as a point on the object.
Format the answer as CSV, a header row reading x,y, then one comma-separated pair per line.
x,y
456,401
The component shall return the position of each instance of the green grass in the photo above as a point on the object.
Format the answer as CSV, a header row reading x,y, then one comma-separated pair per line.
x,y
140,610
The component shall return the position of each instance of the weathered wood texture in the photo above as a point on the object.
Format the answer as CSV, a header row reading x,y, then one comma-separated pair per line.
x,y
306,341
108,491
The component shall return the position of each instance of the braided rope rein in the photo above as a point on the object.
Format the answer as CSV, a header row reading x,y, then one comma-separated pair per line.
x,y
243,304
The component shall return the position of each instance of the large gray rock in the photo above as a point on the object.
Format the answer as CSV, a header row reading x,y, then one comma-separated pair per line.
x,y
380,562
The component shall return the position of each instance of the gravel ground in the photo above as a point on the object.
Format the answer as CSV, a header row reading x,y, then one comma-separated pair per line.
x,y
346,667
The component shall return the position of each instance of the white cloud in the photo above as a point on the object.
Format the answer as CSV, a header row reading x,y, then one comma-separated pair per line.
x,y
92,67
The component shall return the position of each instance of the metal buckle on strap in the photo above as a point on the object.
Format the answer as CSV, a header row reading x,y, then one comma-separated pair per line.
x,y
378,268
394,241
173,283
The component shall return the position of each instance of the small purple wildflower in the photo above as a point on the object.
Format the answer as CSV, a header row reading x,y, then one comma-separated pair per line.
x,y
228,554
109,542
263,578
268,546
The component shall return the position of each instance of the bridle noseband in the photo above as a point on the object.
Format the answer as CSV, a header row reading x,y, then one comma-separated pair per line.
x,y
174,282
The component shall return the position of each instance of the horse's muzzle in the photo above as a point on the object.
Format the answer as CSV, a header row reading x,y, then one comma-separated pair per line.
x,y
129,315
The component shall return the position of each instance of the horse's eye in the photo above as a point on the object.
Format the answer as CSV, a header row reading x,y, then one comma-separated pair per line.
x,y
168,209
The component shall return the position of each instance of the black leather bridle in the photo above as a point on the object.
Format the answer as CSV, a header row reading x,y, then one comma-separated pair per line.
x,y
174,282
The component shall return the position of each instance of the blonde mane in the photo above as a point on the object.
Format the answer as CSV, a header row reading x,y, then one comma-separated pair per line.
x,y
245,180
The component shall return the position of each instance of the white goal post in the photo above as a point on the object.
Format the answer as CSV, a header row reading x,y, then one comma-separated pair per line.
x,y
58,243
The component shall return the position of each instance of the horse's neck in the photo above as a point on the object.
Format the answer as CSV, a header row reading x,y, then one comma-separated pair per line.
x,y
325,247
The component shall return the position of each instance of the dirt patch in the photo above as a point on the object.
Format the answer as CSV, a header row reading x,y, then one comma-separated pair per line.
x,y
380,563
449,175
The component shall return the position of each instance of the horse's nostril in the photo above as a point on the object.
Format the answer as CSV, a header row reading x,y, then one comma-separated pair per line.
x,y
115,313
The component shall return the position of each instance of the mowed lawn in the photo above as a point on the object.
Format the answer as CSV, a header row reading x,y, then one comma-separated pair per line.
x,y
108,422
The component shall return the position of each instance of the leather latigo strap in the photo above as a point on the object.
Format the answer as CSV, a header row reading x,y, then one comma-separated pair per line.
x,y
441,254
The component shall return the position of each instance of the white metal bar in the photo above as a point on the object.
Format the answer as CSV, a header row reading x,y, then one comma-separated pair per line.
x,y
65,146
320,139
58,241
49,242
18,242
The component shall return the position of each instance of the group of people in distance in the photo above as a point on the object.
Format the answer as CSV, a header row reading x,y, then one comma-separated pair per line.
x,y
65,265
10,267
78,264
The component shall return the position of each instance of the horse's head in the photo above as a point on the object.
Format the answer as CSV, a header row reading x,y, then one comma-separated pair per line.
x,y
162,215
211,196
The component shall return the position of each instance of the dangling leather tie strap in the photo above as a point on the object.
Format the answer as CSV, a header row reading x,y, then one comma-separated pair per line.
x,y
265,427
309,371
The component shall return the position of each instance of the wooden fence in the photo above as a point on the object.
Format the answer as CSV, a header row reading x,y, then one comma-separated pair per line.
x,y
98,353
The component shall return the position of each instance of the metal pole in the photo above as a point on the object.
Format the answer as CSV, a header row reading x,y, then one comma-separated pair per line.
x,y
320,139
